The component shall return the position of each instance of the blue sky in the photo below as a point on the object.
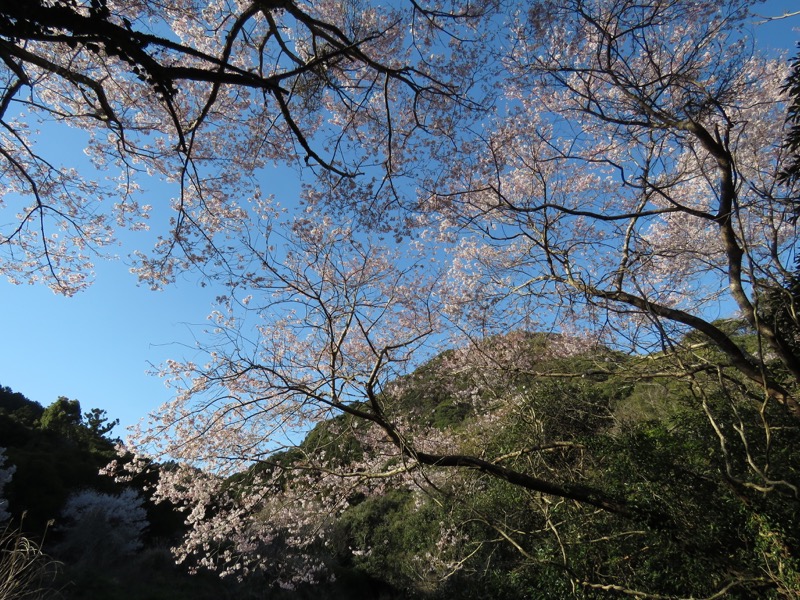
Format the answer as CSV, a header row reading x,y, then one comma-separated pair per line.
x,y
97,347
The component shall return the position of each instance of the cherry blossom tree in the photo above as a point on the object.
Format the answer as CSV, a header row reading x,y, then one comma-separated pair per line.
x,y
632,188
624,190
636,175
201,95
100,527
605,173
320,322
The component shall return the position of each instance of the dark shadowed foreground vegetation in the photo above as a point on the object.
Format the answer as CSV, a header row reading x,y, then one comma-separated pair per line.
x,y
707,496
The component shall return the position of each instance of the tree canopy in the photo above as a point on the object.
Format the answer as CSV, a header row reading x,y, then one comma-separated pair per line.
x,y
517,184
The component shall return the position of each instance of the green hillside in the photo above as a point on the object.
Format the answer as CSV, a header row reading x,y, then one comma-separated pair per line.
x,y
703,491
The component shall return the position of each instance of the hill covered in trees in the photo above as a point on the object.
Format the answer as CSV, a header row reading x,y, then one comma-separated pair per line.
x,y
66,531
704,491
701,494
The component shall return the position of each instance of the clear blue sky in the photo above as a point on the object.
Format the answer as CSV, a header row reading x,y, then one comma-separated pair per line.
x,y
97,346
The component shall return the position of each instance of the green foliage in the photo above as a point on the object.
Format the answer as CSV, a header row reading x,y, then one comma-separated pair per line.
x,y
703,520
431,399
331,437
98,423
700,519
385,536
58,452
694,534
17,407
780,306
791,171
63,416
55,454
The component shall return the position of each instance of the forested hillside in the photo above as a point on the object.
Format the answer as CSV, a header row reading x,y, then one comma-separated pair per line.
x,y
346,517
690,519
68,531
